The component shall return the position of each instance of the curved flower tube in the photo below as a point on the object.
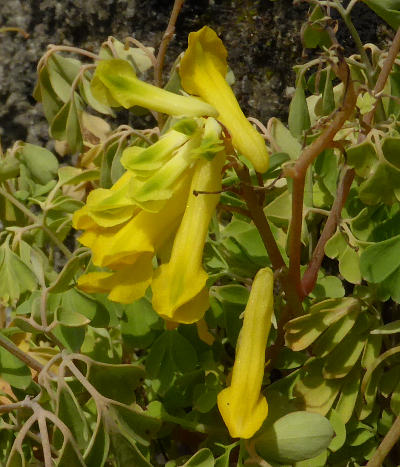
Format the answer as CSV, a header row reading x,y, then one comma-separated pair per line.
x,y
242,405
179,287
115,84
203,69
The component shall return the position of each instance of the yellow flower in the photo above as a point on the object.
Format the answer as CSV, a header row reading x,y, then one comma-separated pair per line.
x,y
115,84
144,233
242,405
203,69
137,218
179,287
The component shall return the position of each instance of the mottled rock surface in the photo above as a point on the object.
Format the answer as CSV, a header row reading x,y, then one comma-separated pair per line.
x,y
262,38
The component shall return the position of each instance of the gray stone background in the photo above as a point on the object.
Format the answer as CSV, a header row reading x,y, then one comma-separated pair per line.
x,y
262,38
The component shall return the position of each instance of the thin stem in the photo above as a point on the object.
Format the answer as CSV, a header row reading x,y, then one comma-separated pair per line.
x,y
295,234
257,214
384,73
391,438
20,354
310,276
260,221
14,406
168,34
14,29
44,435
299,170
64,48
353,31
36,220
350,6
145,49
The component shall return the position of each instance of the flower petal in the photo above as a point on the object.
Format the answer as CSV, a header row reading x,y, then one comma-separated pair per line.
x,y
182,281
115,81
242,405
202,70
124,286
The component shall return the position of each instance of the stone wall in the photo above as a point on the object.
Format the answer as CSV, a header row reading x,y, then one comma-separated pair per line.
x,y
262,38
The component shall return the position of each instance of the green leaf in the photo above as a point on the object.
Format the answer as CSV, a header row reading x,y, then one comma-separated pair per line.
x,y
62,72
344,356
348,257
389,10
71,319
134,423
328,286
117,382
16,459
140,324
394,106
70,456
67,274
73,176
202,458
295,437
336,333
87,95
339,429
96,453
234,293
70,412
380,260
126,452
303,331
313,32
41,163
13,370
328,98
283,140
299,118
45,94
170,353
389,328
73,300
71,338
316,393
348,396
15,276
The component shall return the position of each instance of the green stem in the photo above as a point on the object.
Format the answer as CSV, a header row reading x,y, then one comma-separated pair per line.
x,y
357,40
21,355
391,438
36,220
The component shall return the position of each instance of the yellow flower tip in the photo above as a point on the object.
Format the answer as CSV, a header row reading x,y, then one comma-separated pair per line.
x,y
235,413
242,406
179,287
202,45
123,286
174,302
203,69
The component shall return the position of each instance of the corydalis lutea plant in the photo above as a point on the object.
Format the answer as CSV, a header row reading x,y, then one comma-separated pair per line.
x,y
138,195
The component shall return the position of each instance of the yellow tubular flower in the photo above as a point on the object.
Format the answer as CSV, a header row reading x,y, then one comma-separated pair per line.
x,y
115,83
242,405
203,69
179,287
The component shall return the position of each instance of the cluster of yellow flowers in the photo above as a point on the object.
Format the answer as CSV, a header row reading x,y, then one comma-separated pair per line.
x,y
156,209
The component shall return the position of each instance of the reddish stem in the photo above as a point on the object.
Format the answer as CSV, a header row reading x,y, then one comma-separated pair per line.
x,y
311,274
